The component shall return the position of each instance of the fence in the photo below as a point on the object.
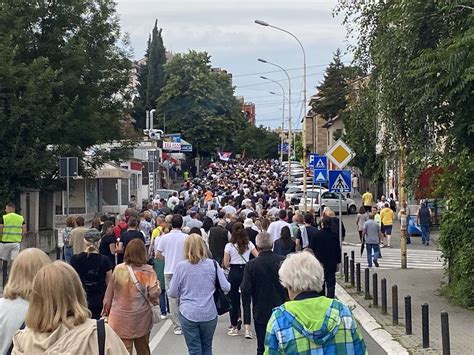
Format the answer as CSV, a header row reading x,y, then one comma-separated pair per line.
x,y
355,276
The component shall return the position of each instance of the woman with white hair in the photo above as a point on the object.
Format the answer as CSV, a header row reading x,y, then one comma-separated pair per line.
x,y
17,294
310,322
94,270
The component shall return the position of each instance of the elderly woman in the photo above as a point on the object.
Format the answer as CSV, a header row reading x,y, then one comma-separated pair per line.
x,y
310,322
58,321
17,293
194,283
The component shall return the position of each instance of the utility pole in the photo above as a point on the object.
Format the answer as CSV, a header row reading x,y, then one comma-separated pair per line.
x,y
402,197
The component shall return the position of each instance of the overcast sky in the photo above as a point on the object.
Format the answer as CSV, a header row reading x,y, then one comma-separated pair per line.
x,y
226,30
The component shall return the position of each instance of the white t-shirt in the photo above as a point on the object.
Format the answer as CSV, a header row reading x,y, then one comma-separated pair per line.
x,y
171,246
233,251
274,229
229,209
12,316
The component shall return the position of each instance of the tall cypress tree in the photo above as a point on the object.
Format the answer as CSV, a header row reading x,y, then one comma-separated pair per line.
x,y
151,76
156,62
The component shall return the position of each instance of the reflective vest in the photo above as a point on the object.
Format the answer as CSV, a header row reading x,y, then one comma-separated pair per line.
x,y
12,228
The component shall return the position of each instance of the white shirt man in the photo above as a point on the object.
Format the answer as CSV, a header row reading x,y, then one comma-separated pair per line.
x,y
274,229
170,247
229,209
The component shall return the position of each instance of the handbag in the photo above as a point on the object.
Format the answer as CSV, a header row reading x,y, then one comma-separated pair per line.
x,y
221,300
101,336
155,309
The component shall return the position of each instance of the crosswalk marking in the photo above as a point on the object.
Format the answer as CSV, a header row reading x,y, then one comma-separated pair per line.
x,y
416,259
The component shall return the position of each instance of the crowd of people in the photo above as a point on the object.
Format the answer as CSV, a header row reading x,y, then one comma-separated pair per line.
x,y
230,229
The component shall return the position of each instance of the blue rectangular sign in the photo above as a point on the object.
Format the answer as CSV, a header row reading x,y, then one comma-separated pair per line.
x,y
285,148
339,181
320,176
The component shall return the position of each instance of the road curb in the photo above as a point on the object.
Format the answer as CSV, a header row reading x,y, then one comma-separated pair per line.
x,y
371,326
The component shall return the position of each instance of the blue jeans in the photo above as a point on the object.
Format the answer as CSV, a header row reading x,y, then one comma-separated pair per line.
x,y
376,249
198,335
425,233
163,303
68,252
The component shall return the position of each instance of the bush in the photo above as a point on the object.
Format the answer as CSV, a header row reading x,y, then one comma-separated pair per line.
x,y
456,185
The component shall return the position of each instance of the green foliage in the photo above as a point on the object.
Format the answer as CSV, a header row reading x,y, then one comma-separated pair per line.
x,y
151,76
257,142
360,128
456,185
199,104
63,78
421,61
333,90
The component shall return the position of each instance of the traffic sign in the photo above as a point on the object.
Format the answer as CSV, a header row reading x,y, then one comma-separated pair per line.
x,y
340,154
320,176
339,180
285,148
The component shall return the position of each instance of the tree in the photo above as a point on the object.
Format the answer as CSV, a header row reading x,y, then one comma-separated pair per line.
x,y
151,76
64,77
333,90
199,103
257,142
420,54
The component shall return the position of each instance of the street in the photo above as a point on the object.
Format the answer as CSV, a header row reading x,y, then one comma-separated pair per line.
x,y
163,341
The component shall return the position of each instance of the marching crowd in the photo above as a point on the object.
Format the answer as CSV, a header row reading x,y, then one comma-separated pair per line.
x,y
227,242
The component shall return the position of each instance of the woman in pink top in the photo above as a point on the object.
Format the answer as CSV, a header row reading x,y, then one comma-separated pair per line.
x,y
129,312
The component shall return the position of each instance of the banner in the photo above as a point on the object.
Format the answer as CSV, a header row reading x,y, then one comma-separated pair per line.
x,y
225,156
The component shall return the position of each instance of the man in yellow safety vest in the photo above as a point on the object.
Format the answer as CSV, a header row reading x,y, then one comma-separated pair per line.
x,y
12,232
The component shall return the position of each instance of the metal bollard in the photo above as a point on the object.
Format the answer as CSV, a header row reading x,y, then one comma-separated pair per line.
x,y
445,333
4,273
395,305
384,295
375,290
425,325
352,273
408,320
367,284
352,254
359,287
346,268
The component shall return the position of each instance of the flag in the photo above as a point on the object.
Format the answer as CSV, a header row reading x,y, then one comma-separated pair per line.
x,y
225,156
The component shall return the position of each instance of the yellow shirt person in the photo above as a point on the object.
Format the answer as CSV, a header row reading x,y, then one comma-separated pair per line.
x,y
367,199
386,216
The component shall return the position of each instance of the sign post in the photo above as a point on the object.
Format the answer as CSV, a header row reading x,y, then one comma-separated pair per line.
x,y
340,182
320,173
68,166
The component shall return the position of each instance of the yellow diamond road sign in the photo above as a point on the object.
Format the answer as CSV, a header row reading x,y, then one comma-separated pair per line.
x,y
340,154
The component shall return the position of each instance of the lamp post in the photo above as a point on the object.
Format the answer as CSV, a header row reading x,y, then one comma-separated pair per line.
x,y
283,116
266,24
289,112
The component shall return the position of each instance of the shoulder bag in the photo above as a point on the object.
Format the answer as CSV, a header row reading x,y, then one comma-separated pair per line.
x,y
155,310
221,300
238,252
101,336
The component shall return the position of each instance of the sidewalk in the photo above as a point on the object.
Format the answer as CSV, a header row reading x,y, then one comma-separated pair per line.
x,y
423,287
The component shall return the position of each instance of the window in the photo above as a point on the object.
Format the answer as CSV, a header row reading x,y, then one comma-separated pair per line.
x,y
125,197
109,192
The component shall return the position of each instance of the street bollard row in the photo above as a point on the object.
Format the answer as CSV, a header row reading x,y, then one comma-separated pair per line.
x,y
353,270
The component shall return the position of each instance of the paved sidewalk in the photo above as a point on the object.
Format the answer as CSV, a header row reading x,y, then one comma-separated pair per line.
x,y
423,287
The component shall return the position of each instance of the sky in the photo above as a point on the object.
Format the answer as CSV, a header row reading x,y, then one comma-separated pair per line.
x,y
226,30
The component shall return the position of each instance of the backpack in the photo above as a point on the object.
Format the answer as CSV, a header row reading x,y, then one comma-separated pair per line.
x,y
393,205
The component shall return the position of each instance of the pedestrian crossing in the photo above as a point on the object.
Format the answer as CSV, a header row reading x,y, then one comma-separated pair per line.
x,y
391,258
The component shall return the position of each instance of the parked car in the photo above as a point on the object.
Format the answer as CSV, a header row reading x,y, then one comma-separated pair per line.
x,y
328,199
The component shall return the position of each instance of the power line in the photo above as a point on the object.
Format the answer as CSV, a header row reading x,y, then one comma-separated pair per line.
x,y
266,83
276,71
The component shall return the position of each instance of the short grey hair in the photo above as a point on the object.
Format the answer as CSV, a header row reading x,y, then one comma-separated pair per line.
x,y
264,241
302,272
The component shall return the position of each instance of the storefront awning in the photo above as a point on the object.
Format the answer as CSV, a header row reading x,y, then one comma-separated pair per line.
x,y
112,171
186,147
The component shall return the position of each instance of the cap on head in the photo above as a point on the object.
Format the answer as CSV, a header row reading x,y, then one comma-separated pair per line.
x,y
92,235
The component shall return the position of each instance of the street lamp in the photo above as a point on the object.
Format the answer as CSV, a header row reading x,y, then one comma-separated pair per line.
x,y
289,111
266,24
283,116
